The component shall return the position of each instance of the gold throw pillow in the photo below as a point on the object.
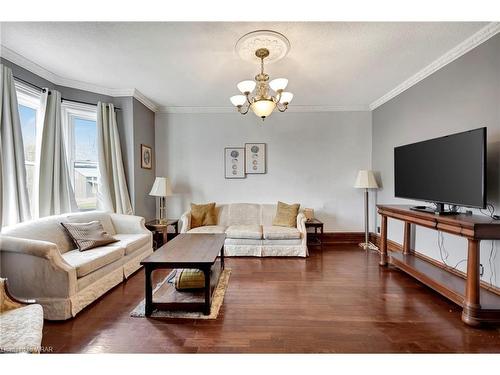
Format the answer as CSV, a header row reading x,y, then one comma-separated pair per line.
x,y
286,215
203,214
88,235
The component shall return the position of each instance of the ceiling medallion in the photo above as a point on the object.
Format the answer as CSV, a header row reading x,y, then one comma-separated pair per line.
x,y
257,94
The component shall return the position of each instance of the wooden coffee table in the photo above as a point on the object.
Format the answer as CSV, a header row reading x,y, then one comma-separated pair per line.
x,y
199,251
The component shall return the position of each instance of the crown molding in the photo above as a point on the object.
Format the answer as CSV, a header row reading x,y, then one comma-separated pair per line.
x,y
34,68
468,44
145,100
292,108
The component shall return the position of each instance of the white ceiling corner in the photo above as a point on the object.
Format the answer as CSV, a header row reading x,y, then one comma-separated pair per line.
x,y
468,44
62,81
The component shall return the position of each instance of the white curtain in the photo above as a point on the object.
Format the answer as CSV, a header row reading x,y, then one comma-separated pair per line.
x,y
14,200
55,190
112,192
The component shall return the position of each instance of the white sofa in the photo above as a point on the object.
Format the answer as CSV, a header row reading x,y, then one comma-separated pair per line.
x,y
249,231
41,262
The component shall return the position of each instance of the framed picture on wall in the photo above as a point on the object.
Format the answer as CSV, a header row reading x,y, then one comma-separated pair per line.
x,y
234,162
146,157
255,156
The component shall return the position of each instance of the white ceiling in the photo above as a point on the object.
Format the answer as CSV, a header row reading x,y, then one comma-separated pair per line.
x,y
191,64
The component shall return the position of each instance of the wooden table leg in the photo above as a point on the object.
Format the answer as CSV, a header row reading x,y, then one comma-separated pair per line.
x,y
208,293
222,257
472,303
407,239
148,292
321,238
383,242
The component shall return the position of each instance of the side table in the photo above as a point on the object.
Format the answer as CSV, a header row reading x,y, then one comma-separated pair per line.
x,y
160,230
318,237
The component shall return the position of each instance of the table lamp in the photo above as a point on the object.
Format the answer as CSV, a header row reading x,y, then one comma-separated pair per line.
x,y
366,180
161,188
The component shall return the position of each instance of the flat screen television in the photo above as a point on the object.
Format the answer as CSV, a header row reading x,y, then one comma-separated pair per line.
x,y
446,170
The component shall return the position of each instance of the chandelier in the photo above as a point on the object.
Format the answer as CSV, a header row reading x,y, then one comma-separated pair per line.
x,y
261,95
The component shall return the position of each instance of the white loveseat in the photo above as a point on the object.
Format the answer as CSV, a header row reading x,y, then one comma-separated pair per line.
x,y
249,231
41,262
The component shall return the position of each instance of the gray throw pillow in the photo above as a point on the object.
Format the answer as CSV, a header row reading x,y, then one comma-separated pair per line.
x,y
88,235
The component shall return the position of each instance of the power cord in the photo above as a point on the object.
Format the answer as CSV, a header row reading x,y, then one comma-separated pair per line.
x,y
442,250
491,212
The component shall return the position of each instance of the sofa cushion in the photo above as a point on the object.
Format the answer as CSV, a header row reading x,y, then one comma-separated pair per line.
x,y
132,242
209,229
21,329
253,232
280,233
87,236
203,214
85,217
286,214
88,261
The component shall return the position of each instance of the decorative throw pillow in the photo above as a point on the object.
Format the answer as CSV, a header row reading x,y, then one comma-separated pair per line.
x,y
88,235
188,279
203,214
286,215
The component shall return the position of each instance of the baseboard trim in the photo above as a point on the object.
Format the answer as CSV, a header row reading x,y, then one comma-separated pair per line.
x,y
395,246
342,238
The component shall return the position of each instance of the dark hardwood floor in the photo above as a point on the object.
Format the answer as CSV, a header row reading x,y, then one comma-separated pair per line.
x,y
335,301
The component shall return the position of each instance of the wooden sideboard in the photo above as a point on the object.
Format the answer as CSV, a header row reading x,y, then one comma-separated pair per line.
x,y
479,304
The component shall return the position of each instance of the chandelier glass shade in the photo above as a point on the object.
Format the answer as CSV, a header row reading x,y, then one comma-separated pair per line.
x,y
260,95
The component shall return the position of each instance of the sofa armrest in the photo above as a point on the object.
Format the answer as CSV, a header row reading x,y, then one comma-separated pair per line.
x,y
301,225
185,222
129,224
35,269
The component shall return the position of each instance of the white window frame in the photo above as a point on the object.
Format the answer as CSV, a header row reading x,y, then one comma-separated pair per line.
x,y
69,112
31,97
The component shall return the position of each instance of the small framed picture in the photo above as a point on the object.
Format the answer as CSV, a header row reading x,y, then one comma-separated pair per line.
x,y
146,157
234,162
255,156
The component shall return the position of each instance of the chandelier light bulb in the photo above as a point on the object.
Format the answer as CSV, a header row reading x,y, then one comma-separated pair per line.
x,y
286,97
238,100
278,84
263,107
246,86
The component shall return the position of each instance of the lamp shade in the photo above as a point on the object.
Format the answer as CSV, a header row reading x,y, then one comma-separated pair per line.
x,y
286,97
246,86
263,107
365,180
278,84
238,100
161,187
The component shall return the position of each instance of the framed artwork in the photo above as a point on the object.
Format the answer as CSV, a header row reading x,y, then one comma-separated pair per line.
x,y
234,162
146,157
255,156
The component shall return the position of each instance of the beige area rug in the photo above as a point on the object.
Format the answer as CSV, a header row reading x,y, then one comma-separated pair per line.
x,y
217,299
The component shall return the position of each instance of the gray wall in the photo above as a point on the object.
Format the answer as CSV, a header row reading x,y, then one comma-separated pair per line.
x,y
463,95
132,114
312,158
144,133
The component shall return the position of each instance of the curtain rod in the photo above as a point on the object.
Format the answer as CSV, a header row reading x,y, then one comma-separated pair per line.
x,y
62,99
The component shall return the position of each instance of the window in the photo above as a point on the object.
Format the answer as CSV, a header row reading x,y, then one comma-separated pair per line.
x,y
79,121
29,108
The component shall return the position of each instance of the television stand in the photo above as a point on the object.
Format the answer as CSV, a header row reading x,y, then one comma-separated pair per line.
x,y
480,305
439,210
